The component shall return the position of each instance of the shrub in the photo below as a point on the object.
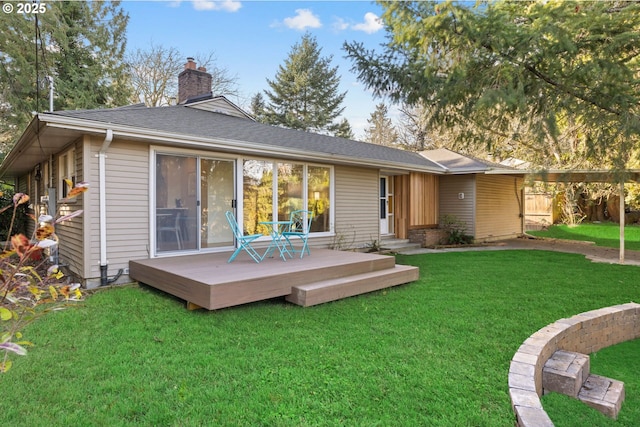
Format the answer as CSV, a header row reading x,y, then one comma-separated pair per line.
x,y
28,289
456,231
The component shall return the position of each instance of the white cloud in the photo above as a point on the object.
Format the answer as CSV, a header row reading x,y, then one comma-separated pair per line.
x,y
339,24
224,5
304,19
372,23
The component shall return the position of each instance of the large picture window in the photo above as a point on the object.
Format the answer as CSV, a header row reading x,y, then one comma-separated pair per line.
x,y
275,189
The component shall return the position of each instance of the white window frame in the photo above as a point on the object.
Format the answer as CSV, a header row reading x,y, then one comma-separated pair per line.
x,y
306,196
66,170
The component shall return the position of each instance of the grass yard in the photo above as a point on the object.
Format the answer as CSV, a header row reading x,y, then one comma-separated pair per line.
x,y
435,352
603,234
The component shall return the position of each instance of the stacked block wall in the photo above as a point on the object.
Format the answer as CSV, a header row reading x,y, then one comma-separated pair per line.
x,y
583,333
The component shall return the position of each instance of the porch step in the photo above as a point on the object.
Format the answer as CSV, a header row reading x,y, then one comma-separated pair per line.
x,y
398,245
568,373
338,288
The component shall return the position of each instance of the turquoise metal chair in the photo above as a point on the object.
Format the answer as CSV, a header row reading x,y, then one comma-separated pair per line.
x,y
299,227
244,242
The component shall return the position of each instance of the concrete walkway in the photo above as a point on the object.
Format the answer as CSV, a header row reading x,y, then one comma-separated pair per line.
x,y
588,249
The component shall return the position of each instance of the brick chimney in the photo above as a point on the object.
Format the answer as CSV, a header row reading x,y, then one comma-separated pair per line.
x,y
193,81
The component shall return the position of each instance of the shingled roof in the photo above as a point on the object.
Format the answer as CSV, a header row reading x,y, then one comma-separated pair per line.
x,y
216,126
456,163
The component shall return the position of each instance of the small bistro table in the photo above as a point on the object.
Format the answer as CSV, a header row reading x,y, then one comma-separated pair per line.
x,y
276,228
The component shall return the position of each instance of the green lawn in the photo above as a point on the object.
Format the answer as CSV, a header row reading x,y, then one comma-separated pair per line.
x,y
603,234
435,352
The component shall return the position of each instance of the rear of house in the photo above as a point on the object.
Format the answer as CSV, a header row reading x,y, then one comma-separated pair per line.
x,y
158,188
161,180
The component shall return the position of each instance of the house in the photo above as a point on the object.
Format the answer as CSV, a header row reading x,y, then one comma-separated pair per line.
x,y
486,198
162,178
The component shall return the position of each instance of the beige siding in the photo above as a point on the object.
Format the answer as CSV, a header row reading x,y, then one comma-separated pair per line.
x,y
70,233
498,207
356,204
127,205
451,204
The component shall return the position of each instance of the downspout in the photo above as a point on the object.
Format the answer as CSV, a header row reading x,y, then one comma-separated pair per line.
x,y
102,161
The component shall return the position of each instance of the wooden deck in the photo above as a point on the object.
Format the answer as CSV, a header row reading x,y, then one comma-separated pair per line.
x,y
208,281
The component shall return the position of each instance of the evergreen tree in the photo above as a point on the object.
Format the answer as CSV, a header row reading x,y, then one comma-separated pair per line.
x,y
258,107
381,130
556,78
80,44
304,94
342,129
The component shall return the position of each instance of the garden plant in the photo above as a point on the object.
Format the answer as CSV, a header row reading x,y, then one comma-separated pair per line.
x,y
29,285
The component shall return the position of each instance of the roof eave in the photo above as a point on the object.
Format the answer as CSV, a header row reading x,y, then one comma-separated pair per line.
x,y
577,175
23,142
128,132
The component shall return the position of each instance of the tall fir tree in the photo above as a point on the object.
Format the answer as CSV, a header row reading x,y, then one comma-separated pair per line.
x,y
381,130
343,129
258,107
304,93
81,45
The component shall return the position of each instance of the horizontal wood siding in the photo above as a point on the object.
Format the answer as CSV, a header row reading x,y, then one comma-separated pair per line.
x,y
462,210
499,207
127,200
356,204
70,233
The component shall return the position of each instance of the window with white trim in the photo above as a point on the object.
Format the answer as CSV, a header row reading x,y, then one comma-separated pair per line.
x,y
66,170
272,190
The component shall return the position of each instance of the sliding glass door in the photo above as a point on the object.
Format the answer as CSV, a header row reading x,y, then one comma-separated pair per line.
x,y
192,194
217,192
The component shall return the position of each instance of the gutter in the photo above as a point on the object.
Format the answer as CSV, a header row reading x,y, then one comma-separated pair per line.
x,y
225,145
102,189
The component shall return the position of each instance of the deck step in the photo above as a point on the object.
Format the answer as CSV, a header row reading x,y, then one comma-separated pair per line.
x,y
337,288
603,394
565,372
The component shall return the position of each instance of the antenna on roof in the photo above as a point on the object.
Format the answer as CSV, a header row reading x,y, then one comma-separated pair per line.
x,y
50,81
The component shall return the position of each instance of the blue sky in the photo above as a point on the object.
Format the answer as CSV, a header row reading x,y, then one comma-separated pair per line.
x,y
251,39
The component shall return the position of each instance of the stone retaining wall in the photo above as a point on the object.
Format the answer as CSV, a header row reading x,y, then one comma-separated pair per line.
x,y
583,333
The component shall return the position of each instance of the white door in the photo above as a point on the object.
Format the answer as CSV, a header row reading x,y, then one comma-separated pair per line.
x,y
384,205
